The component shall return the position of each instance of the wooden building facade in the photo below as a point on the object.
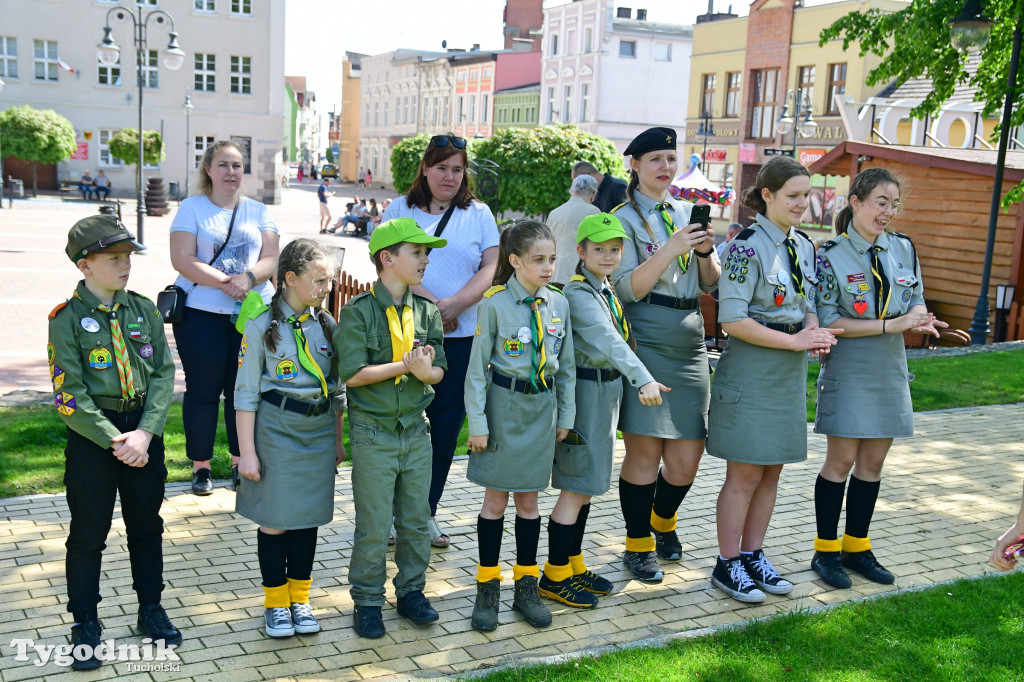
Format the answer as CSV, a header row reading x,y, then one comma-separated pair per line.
x,y
947,196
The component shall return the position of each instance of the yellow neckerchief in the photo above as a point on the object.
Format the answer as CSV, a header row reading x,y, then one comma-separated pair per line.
x,y
402,332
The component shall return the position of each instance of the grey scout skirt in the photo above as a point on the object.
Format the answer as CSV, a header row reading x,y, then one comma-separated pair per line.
x,y
759,405
297,470
864,389
520,442
670,343
587,469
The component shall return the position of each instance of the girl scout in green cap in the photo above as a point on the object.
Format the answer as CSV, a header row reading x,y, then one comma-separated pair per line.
x,y
869,284
758,419
660,280
523,332
289,407
601,342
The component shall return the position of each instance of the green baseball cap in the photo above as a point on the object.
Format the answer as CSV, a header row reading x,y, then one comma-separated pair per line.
x,y
99,233
401,230
600,228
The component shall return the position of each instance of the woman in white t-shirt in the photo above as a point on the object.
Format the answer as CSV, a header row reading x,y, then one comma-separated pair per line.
x,y
456,279
206,339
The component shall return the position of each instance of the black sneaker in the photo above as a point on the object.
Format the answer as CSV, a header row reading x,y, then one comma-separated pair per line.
x,y
764,574
667,544
644,566
416,609
485,611
526,600
88,633
153,622
867,565
202,482
568,592
368,622
592,582
830,567
731,577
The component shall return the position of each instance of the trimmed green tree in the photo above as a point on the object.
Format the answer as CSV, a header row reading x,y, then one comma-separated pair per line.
x,y
124,145
36,136
405,161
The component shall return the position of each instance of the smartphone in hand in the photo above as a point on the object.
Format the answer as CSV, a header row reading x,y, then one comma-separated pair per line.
x,y
701,213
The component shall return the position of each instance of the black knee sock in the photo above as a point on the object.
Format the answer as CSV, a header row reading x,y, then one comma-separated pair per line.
x,y
301,550
560,539
860,506
828,504
527,537
488,539
272,551
636,502
668,497
580,529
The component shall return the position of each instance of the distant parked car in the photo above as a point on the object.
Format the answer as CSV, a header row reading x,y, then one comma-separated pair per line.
x,y
329,170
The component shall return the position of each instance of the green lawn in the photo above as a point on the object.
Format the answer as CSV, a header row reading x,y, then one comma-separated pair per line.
x,y
969,630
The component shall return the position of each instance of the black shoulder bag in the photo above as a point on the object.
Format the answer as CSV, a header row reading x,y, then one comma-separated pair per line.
x,y
444,221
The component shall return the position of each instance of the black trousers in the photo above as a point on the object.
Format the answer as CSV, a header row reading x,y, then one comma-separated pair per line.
x,y
447,414
94,477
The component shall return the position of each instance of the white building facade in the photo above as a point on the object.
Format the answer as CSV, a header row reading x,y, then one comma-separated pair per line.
x,y
612,71
233,72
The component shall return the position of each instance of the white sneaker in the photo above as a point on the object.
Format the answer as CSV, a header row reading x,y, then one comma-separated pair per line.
x,y
278,622
303,620
730,577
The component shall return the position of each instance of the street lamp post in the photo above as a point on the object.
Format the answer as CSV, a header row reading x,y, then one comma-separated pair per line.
x,y
707,129
968,33
188,107
785,123
108,53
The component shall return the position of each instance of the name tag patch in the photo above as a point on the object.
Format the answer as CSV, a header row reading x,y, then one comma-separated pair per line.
x,y
856,277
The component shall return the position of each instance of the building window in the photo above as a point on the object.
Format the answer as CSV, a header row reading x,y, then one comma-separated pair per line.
x,y
554,44
460,114
241,7
376,114
567,103
484,108
108,75
734,80
45,59
472,108
805,83
433,118
446,110
205,73
836,87
762,111
412,109
241,75
707,102
244,145
8,57
588,39
146,3
150,69
384,119
584,101
366,115
627,48
570,42
200,144
205,5
662,52
551,105
105,158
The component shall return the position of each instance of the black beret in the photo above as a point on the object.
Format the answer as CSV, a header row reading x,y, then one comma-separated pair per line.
x,y
651,140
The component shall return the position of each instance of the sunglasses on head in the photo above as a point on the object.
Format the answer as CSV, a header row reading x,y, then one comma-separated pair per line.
x,y
445,140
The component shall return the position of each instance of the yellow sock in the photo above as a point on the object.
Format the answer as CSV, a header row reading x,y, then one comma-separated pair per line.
x,y
519,571
578,565
486,573
662,525
640,544
298,590
557,573
276,597
853,545
827,545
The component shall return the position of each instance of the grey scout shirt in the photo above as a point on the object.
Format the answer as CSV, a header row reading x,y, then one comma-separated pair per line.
x,y
363,338
757,267
501,319
261,369
672,282
83,365
596,340
846,286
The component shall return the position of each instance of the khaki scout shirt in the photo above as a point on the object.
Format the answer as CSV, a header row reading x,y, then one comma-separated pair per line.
x,y
82,362
501,341
757,267
846,287
261,369
363,338
596,340
672,282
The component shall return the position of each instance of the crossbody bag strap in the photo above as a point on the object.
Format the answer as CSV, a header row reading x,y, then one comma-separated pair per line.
x,y
444,221
231,226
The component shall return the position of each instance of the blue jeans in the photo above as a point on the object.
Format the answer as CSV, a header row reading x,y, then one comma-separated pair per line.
x,y
447,413
208,347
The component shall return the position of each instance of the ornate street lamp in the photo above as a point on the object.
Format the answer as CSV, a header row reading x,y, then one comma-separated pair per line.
x,y
108,52
785,123
188,107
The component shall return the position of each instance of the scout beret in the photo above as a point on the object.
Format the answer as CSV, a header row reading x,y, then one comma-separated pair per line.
x,y
651,140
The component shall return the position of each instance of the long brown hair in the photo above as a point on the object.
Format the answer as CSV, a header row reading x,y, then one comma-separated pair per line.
x,y
516,238
775,173
295,257
419,193
634,182
862,187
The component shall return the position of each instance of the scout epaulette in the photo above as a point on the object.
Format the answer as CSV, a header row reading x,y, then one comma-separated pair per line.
x,y
828,245
57,309
617,207
138,295
913,249
554,287
493,290
577,278
802,234
746,234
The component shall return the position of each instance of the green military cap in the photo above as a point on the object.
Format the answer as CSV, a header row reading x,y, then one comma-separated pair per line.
x,y
600,228
401,230
99,233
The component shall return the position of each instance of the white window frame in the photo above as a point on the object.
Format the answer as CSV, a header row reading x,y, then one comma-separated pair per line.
x,y
112,73
204,6
566,103
460,109
200,143
8,57
472,108
146,3
570,42
551,104
48,61
103,144
484,107
204,72
667,48
631,52
241,8
446,110
150,70
240,75
584,101
553,45
588,40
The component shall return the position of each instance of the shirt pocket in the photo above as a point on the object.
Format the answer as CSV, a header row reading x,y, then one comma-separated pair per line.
x,y
645,245
378,348
139,338
97,349
510,344
828,396
904,282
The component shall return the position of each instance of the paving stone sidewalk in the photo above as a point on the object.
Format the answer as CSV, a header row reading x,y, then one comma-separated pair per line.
x,y
946,494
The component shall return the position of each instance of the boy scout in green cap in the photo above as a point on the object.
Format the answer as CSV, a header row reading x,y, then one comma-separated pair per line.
x,y
113,379
390,351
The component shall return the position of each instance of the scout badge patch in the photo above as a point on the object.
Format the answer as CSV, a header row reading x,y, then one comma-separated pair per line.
x,y
860,305
514,347
780,295
100,358
287,370
65,403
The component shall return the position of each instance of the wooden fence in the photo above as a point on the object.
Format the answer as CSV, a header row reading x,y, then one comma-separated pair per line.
x,y
345,287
